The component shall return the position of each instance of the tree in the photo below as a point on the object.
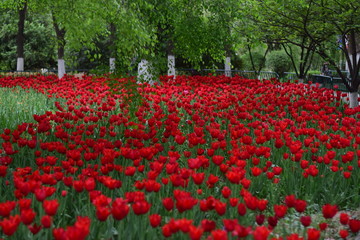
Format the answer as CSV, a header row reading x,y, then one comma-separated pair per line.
x,y
21,7
205,29
20,36
222,19
38,50
127,31
301,62
252,37
314,25
75,24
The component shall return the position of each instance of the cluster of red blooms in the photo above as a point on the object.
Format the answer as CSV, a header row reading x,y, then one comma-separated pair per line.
x,y
208,148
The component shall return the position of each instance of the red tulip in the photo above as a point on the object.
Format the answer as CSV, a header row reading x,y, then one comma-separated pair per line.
x,y
343,233
280,210
120,209
354,225
46,221
10,225
305,220
208,225
6,208
300,205
27,216
219,234
50,206
34,229
344,218
261,233
141,207
329,211
313,234
155,220
195,233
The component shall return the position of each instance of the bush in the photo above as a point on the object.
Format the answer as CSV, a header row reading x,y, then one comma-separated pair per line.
x,y
258,58
278,62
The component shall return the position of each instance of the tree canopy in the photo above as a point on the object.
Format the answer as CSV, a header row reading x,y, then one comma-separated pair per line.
x,y
315,26
192,30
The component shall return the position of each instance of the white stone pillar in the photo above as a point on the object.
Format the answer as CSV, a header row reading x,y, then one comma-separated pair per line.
x,y
353,97
144,72
171,65
61,68
20,65
228,67
112,65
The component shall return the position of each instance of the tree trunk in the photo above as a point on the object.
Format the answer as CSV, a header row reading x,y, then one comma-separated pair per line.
x,y
60,35
306,57
354,65
112,48
20,40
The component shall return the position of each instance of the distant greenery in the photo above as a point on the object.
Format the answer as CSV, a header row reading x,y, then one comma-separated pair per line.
x,y
39,46
278,62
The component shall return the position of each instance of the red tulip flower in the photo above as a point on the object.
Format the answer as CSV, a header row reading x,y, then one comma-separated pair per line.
x,y
155,220
51,206
329,211
120,209
10,225
27,216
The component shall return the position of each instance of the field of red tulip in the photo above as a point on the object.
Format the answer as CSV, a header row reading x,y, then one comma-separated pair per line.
x,y
188,158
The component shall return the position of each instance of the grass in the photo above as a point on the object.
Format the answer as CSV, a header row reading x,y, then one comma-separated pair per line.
x,y
18,105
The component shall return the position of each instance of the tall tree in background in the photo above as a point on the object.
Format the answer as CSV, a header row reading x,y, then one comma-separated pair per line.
x,y
223,16
127,31
20,6
298,46
60,40
204,29
20,40
75,23
251,36
39,52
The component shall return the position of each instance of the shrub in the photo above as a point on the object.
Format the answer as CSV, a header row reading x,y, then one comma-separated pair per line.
x,y
258,58
278,62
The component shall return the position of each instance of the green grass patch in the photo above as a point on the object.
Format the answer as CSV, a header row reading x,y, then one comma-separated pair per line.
x,y
18,105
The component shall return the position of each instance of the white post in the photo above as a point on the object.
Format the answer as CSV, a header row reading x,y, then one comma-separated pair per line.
x,y
112,64
61,68
353,97
228,67
144,73
171,65
20,65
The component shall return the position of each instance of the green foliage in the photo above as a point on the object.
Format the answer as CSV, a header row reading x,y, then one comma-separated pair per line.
x,y
258,58
39,45
204,29
199,31
278,62
313,25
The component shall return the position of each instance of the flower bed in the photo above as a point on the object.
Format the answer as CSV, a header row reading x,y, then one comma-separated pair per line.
x,y
191,158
